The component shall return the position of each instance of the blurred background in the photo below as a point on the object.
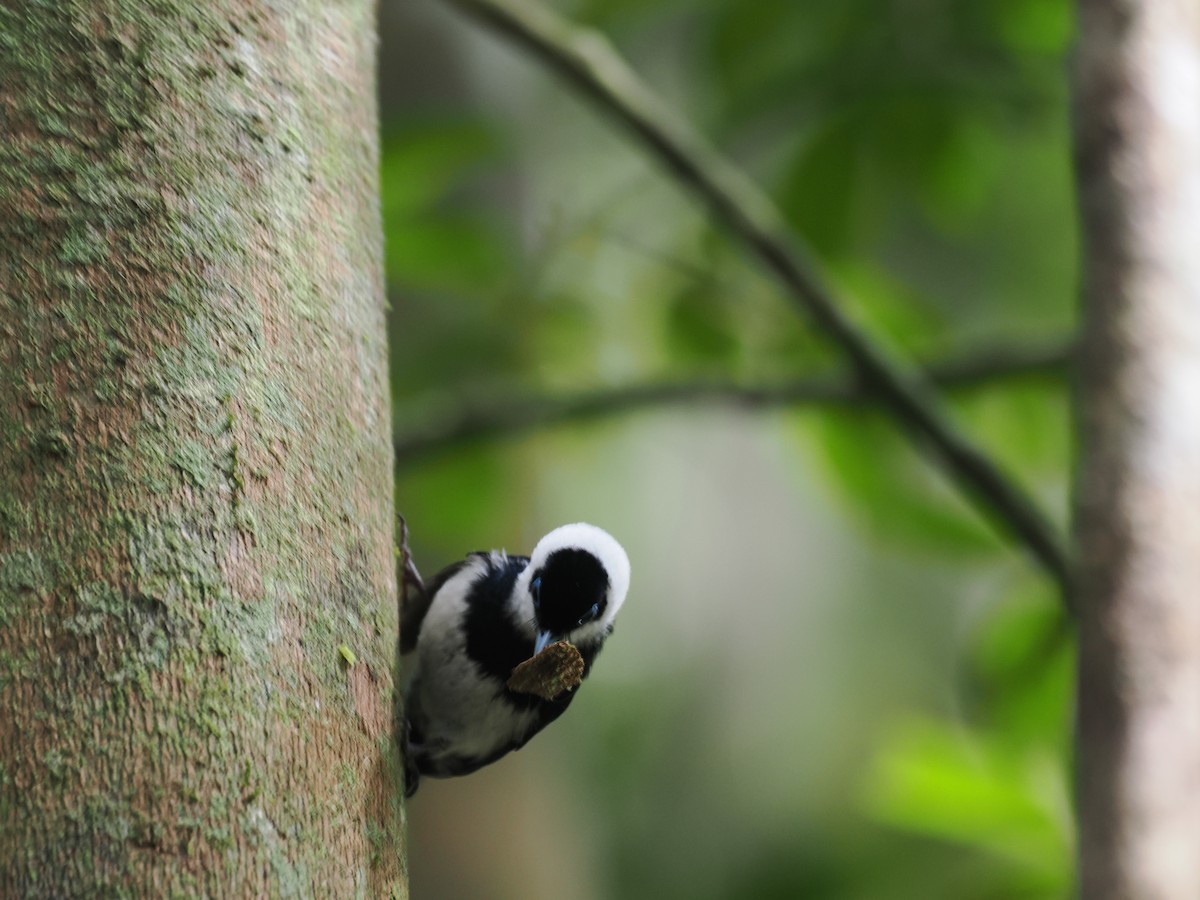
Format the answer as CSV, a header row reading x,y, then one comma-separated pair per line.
x,y
831,679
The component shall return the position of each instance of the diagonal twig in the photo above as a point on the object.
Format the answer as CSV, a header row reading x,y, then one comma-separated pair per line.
x,y
586,59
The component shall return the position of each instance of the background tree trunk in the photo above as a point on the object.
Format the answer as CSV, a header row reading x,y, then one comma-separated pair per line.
x,y
1138,515
197,614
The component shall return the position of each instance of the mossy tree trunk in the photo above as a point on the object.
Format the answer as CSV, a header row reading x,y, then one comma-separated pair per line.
x,y
196,584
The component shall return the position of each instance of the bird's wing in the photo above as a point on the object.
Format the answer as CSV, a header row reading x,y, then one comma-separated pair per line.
x,y
415,599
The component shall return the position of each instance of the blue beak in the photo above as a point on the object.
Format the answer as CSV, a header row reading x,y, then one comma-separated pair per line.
x,y
544,639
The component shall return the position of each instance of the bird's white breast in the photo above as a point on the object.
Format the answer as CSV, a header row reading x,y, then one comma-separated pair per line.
x,y
464,711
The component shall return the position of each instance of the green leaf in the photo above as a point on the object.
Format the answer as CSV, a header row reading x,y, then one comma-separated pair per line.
x,y
1034,26
459,501
432,248
895,310
421,163
701,328
818,194
1022,659
771,57
1026,426
940,780
451,254
890,492
962,173
930,144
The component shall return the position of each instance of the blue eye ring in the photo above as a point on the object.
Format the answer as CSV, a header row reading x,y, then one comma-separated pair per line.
x,y
590,615
535,588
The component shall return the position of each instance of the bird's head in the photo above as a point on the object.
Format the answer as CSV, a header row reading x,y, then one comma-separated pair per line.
x,y
576,580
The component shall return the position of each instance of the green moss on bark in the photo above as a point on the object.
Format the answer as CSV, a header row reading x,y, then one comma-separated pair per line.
x,y
194,415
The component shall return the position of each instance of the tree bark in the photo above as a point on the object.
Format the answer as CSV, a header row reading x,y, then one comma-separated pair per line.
x,y
1138,494
197,609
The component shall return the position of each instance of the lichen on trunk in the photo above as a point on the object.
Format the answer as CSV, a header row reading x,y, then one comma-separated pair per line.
x,y
195,505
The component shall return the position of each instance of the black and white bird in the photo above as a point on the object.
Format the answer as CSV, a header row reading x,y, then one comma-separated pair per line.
x,y
486,615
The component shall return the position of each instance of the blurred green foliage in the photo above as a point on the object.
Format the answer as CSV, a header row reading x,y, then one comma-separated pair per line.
x,y
920,147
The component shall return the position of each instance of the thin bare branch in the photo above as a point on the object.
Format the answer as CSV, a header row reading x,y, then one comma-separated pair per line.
x,y
498,420
586,59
